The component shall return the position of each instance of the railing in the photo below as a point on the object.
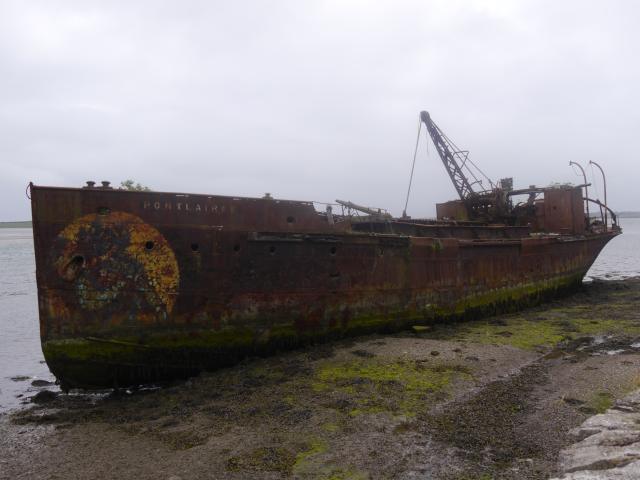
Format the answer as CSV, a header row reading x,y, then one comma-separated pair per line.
x,y
603,215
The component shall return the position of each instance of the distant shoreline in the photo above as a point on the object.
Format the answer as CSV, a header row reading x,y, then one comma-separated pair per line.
x,y
23,224
27,223
628,214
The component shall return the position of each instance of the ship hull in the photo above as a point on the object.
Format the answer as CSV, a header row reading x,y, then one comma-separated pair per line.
x,y
137,287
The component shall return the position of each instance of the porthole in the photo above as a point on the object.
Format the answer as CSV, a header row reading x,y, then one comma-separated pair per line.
x,y
290,219
73,268
332,251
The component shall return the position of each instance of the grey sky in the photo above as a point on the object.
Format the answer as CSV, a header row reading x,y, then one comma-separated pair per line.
x,y
315,100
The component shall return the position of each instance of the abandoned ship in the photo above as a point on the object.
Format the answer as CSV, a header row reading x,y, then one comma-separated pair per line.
x,y
140,286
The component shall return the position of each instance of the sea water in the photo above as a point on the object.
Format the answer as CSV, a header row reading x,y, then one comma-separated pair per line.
x,y
621,257
21,360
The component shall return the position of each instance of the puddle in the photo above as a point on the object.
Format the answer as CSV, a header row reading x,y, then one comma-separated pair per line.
x,y
605,345
592,342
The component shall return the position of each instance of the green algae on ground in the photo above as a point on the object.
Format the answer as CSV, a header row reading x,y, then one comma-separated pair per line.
x,y
491,422
182,439
330,427
588,326
515,331
334,472
342,474
400,387
278,459
304,459
275,418
264,459
529,333
421,328
600,402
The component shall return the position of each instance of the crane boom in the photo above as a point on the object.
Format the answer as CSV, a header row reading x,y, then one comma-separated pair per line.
x,y
454,160
480,202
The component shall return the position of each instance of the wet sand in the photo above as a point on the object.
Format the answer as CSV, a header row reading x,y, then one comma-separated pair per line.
x,y
494,398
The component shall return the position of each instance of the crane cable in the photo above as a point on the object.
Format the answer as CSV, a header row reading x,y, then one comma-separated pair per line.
x,y
413,166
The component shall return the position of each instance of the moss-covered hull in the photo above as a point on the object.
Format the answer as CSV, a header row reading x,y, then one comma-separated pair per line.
x,y
136,287
92,362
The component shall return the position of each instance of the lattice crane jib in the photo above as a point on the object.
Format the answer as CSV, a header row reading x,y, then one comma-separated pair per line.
x,y
467,178
452,158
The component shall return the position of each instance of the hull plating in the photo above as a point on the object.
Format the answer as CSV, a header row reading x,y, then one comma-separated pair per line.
x,y
137,287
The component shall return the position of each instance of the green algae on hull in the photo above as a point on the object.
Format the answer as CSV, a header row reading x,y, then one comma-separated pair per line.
x,y
93,362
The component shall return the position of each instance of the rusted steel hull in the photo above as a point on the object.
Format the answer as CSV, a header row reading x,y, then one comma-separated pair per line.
x,y
136,287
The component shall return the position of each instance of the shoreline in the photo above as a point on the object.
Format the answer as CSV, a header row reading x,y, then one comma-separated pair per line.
x,y
17,224
497,397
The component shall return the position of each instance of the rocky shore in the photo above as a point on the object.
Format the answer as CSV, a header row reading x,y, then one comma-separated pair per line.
x,y
608,445
520,396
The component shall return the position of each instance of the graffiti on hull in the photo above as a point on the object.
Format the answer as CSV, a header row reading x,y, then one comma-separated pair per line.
x,y
115,267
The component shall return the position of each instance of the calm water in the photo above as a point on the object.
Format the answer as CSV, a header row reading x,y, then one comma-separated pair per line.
x,y
21,360
621,257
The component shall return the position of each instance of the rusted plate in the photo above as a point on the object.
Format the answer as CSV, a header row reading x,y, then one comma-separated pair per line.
x,y
142,286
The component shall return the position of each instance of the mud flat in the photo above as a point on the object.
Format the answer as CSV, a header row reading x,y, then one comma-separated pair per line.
x,y
495,398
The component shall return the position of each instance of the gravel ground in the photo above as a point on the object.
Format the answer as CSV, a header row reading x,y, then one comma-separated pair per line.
x,y
495,398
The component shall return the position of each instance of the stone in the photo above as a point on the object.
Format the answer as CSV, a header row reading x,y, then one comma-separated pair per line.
x,y
609,447
41,383
44,396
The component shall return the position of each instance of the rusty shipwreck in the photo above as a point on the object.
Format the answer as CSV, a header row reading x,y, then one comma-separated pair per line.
x,y
140,286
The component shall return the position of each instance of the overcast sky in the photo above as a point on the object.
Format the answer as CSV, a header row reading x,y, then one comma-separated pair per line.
x,y
315,100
